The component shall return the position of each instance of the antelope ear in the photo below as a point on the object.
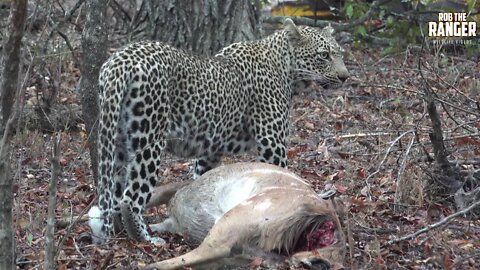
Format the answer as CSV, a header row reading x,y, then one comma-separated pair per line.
x,y
292,31
329,29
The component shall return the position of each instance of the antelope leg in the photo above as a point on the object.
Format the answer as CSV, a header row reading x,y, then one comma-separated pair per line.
x,y
168,225
202,254
164,193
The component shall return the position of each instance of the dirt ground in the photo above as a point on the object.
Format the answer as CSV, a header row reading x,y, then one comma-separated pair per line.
x,y
369,138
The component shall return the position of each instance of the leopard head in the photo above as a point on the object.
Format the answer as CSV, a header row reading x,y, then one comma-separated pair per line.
x,y
318,56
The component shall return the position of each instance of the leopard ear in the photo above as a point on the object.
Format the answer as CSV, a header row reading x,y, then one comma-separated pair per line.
x,y
292,31
329,29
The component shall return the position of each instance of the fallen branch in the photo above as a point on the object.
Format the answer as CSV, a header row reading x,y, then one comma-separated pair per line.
x,y
69,221
361,135
435,225
389,149
399,185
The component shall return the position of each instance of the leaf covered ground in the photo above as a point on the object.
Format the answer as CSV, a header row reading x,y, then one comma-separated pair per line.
x,y
369,139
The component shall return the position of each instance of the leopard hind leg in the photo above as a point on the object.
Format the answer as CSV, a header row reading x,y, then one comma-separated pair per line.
x,y
121,160
146,123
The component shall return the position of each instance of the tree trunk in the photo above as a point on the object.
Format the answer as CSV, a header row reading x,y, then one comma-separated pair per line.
x,y
9,89
11,52
94,44
50,248
203,26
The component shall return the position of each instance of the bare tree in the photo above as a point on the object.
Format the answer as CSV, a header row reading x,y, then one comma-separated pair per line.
x,y
94,44
11,51
203,26
9,89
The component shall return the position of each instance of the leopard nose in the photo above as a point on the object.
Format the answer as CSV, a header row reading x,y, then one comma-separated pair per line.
x,y
343,77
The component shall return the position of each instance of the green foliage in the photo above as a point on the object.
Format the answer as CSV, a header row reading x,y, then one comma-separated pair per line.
x,y
354,9
390,22
398,24
471,4
361,30
393,48
349,10
473,50
381,14
29,238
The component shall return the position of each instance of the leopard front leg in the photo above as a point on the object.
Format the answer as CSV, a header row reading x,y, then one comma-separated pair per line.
x,y
271,146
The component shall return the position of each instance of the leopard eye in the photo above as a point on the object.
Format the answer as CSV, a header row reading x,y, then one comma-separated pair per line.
x,y
323,55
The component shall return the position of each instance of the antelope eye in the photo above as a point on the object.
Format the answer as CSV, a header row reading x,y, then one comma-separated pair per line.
x,y
323,55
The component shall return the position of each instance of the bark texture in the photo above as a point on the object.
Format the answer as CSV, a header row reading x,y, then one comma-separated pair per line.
x,y
448,177
11,60
50,250
94,44
203,26
9,89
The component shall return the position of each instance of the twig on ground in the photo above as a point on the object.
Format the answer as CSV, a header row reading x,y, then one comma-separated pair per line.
x,y
466,162
361,135
434,225
73,221
454,88
69,221
399,185
375,231
431,96
468,228
107,260
435,97
300,117
464,198
383,161
456,107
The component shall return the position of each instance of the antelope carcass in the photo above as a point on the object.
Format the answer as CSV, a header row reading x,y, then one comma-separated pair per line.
x,y
256,206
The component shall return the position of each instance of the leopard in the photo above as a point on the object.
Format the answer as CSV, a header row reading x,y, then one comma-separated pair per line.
x,y
155,98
